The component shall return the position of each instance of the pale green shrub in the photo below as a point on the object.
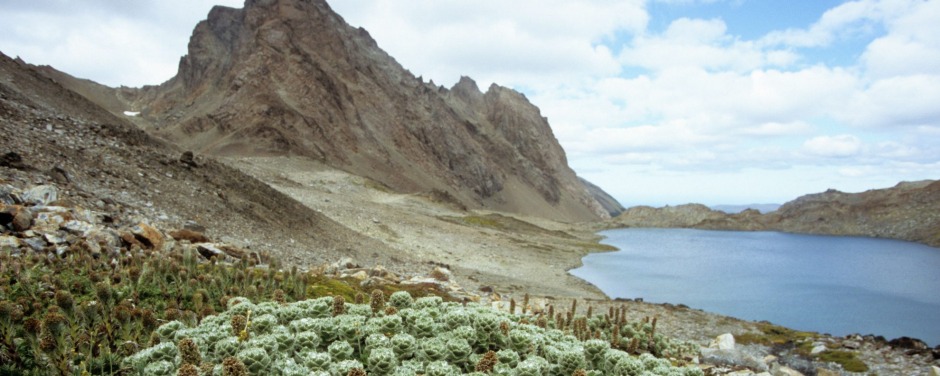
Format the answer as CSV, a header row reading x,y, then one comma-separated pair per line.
x,y
426,336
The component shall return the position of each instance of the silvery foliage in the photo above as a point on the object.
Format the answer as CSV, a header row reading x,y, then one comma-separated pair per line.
x,y
426,336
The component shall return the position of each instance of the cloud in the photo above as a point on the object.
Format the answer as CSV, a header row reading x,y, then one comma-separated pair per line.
x,y
112,42
840,146
526,43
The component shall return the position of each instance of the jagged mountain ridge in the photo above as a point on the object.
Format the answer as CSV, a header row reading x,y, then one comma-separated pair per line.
x,y
907,211
291,77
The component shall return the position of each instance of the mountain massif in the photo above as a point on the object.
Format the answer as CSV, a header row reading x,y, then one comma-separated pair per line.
x,y
291,77
907,211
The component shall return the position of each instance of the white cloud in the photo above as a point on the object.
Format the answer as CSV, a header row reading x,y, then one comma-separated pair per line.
x,y
526,43
900,101
840,146
112,42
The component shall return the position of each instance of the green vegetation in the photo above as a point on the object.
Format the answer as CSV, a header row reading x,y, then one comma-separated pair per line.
x,y
847,359
771,334
80,313
406,336
778,335
488,221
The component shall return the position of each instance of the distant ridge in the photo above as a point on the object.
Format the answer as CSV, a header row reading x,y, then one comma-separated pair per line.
x,y
734,209
908,211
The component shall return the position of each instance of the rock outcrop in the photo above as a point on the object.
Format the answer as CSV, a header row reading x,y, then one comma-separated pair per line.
x,y
908,211
291,77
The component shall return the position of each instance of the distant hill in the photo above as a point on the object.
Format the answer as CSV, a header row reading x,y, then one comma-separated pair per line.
x,y
908,211
734,209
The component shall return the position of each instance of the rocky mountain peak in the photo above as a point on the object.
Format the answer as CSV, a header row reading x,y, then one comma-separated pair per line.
x,y
291,77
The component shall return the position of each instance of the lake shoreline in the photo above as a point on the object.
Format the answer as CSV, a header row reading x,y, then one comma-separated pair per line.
x,y
721,310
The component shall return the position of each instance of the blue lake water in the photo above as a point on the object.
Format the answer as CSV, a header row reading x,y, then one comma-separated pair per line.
x,y
827,284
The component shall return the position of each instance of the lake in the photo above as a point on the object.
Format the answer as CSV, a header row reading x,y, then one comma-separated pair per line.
x,y
827,284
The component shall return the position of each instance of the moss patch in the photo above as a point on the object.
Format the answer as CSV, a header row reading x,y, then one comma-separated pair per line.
x,y
771,334
847,359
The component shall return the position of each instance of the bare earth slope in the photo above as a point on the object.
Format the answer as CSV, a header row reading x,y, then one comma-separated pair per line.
x,y
290,77
907,211
110,163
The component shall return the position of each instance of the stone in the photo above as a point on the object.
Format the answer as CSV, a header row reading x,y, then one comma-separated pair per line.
x,y
441,274
12,159
826,372
189,235
7,196
48,221
59,175
54,239
934,371
188,159
78,228
345,264
908,343
818,349
194,226
209,251
98,238
41,195
854,345
22,220
723,342
9,242
375,282
149,236
770,359
36,244
779,370
18,217
361,275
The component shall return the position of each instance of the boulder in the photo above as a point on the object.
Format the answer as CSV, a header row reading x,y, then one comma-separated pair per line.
x,y
188,159
47,220
723,342
148,236
189,235
12,159
818,349
22,219
908,343
9,242
36,244
209,251
194,226
934,371
779,370
41,195
441,274
54,239
854,345
106,238
78,228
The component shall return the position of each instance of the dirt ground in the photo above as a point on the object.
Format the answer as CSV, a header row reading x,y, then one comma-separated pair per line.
x,y
513,255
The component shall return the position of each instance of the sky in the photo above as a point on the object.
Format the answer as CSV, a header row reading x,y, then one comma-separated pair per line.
x,y
659,102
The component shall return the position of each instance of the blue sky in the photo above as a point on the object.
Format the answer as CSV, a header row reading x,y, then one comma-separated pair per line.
x,y
657,101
